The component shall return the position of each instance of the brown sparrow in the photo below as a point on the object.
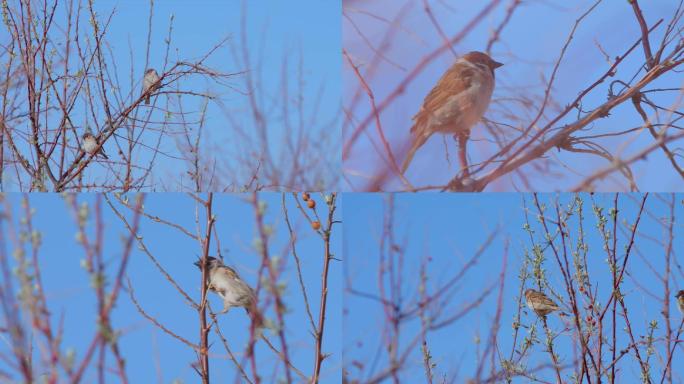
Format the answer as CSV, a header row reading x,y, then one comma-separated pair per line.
x,y
541,304
225,282
150,83
680,301
456,103
90,145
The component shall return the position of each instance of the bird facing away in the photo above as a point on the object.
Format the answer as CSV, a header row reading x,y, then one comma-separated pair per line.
x,y
225,282
541,304
456,103
90,145
150,83
680,301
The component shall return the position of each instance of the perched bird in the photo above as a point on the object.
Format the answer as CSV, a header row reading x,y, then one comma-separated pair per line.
x,y
680,300
150,83
225,282
90,145
541,304
456,103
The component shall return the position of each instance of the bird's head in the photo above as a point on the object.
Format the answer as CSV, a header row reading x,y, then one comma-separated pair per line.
x,y
482,58
211,262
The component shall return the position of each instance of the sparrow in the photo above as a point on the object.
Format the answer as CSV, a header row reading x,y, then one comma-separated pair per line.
x,y
456,103
150,83
541,304
225,282
90,145
680,301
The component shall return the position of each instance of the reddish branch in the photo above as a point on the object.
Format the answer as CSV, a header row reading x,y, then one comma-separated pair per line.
x,y
327,256
202,310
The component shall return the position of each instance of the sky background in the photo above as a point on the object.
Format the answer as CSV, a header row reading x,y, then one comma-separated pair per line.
x,y
142,344
271,38
529,47
450,229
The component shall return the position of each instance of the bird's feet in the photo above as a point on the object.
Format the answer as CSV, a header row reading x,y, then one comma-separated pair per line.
x,y
463,183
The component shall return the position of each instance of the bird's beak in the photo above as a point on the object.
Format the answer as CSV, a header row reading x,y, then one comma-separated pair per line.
x,y
496,64
197,263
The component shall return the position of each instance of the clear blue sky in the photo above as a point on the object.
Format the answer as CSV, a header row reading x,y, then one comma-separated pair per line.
x,y
142,344
530,44
449,229
276,32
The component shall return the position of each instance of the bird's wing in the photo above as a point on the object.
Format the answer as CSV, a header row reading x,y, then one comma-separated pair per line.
x,y
454,81
547,301
230,273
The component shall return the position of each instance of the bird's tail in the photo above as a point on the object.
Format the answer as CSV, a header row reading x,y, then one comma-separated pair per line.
x,y
420,139
256,316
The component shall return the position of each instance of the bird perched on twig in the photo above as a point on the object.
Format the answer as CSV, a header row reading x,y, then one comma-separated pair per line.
x,y
541,304
90,145
456,103
150,83
225,282
680,301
